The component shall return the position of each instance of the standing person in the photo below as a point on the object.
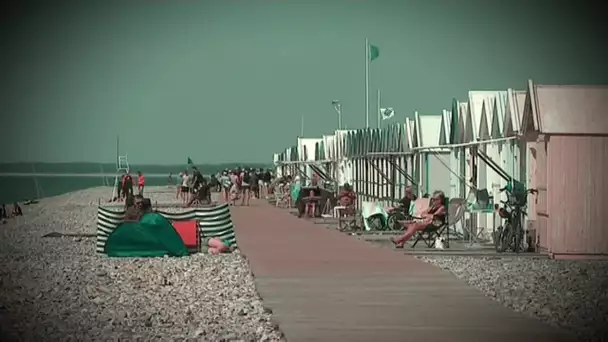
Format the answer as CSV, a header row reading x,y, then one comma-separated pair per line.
x,y
267,178
170,179
255,186
184,185
234,187
245,186
127,185
178,186
197,178
225,184
141,183
3,212
190,185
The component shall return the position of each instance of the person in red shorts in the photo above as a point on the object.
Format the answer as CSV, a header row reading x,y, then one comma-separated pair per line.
x,y
141,183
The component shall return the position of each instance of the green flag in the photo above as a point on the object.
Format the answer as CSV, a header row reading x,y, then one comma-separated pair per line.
x,y
190,161
374,52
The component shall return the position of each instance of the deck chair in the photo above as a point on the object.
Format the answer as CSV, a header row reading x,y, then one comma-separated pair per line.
x,y
280,197
348,219
433,231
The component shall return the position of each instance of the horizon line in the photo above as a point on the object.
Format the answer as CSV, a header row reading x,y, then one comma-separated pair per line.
x,y
108,162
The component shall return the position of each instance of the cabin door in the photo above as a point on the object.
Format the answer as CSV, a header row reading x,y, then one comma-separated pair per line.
x,y
538,202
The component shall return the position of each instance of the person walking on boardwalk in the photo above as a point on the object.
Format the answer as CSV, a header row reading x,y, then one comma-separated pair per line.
x,y
225,185
141,183
245,181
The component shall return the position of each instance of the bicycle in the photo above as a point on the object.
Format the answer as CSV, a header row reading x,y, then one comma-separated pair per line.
x,y
396,215
511,235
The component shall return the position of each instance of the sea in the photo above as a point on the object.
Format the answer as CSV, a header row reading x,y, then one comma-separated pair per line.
x,y
25,181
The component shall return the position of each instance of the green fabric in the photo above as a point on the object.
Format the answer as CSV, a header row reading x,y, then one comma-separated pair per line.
x,y
371,210
295,191
152,236
374,52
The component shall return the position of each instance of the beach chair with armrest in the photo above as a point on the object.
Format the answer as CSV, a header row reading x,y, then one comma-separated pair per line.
x,y
280,197
434,230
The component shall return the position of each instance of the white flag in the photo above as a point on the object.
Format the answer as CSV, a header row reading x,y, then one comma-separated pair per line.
x,y
387,113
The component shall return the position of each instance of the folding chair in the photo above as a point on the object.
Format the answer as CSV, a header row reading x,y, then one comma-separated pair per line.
x,y
433,231
348,219
279,197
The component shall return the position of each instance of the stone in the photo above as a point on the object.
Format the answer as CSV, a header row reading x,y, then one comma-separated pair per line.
x,y
568,294
64,285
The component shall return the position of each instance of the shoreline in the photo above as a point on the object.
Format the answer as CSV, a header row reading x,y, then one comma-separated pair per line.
x,y
92,175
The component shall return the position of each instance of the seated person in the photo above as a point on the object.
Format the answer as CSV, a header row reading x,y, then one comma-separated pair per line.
x,y
216,245
405,203
434,215
347,198
132,212
311,204
16,210
287,192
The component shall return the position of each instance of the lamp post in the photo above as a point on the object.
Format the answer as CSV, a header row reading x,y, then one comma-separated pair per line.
x,y
338,108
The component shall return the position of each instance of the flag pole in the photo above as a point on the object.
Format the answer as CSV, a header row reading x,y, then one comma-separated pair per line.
x,y
379,107
366,83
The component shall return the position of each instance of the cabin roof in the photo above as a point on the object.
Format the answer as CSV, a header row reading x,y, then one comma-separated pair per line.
x,y
566,109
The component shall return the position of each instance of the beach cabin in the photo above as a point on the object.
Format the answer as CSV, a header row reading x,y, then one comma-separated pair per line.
x,y
517,152
277,161
567,128
457,118
432,161
306,154
399,146
412,142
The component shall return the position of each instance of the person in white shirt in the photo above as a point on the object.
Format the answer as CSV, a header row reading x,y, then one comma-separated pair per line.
x,y
184,186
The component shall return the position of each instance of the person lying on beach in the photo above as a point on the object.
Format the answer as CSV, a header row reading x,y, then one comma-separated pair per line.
x,y
216,245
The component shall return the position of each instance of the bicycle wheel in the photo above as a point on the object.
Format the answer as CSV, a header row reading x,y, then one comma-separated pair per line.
x,y
376,222
393,220
517,237
506,238
497,236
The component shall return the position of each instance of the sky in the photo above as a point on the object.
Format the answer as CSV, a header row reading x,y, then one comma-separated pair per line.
x,y
229,81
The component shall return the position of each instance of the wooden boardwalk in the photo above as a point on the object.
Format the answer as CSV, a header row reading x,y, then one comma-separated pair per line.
x,y
322,285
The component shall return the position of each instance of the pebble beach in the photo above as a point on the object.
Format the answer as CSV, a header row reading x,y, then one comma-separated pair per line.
x,y
568,294
59,289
